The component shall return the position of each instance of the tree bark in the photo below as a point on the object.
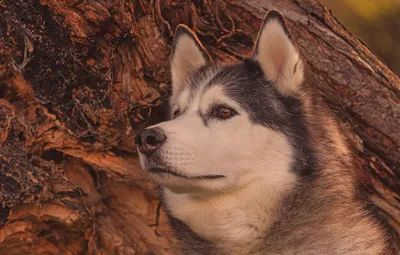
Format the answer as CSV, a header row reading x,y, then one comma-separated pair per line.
x,y
79,78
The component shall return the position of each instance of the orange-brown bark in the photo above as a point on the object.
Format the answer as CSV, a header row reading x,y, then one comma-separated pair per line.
x,y
79,78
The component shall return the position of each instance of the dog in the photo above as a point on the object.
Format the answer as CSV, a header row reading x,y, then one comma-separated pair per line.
x,y
251,161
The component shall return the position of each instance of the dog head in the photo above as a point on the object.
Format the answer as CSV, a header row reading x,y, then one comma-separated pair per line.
x,y
230,124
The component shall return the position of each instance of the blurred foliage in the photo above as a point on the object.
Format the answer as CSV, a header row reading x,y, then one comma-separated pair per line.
x,y
375,22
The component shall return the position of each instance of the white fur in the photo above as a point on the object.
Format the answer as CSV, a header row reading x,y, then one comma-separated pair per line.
x,y
255,161
241,214
279,58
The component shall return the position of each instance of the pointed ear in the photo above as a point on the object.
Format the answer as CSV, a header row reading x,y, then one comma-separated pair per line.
x,y
188,55
278,55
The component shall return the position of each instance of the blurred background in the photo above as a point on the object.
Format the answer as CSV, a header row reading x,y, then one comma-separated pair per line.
x,y
375,22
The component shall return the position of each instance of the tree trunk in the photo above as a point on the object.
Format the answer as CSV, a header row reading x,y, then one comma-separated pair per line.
x,y
78,79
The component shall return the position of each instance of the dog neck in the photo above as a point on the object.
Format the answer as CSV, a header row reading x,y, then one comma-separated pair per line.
x,y
234,221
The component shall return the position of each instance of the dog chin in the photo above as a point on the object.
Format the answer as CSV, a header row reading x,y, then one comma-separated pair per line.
x,y
179,182
179,185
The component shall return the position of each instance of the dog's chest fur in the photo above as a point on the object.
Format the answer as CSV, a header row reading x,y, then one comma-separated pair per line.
x,y
242,228
235,223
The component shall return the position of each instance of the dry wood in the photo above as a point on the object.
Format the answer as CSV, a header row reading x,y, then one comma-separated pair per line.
x,y
79,78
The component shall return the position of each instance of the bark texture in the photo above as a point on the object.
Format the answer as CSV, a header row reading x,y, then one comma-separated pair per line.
x,y
79,78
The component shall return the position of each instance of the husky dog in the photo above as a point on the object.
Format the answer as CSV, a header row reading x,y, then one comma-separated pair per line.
x,y
251,162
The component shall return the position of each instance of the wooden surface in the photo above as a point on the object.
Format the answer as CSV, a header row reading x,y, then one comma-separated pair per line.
x,y
79,78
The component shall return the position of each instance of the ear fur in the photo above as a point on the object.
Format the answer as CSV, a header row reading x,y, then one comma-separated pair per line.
x,y
188,55
277,54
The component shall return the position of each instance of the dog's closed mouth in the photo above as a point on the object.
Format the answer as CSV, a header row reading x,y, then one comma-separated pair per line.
x,y
157,170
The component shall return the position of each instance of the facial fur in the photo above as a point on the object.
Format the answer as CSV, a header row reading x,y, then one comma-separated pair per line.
x,y
239,153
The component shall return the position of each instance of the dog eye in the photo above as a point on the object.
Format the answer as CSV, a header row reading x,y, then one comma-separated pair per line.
x,y
223,112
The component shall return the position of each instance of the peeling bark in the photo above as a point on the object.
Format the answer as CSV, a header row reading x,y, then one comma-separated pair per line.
x,y
79,78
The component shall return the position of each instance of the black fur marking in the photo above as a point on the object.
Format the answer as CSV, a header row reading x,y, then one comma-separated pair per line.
x,y
246,83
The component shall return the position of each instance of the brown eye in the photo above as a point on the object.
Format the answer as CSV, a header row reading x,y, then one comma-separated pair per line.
x,y
223,112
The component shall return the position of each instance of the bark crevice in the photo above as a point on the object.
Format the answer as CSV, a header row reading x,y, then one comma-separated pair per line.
x,y
78,79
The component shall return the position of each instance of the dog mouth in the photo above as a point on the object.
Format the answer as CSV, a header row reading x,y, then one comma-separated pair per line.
x,y
157,170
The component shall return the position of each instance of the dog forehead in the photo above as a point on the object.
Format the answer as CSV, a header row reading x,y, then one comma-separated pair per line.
x,y
194,86
215,95
243,83
209,89
225,76
207,96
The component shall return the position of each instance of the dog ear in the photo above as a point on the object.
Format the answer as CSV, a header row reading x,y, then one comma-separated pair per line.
x,y
188,55
278,55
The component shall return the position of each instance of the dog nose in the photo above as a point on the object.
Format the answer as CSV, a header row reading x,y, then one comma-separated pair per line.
x,y
149,139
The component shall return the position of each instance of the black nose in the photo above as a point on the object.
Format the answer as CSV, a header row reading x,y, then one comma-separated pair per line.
x,y
149,139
